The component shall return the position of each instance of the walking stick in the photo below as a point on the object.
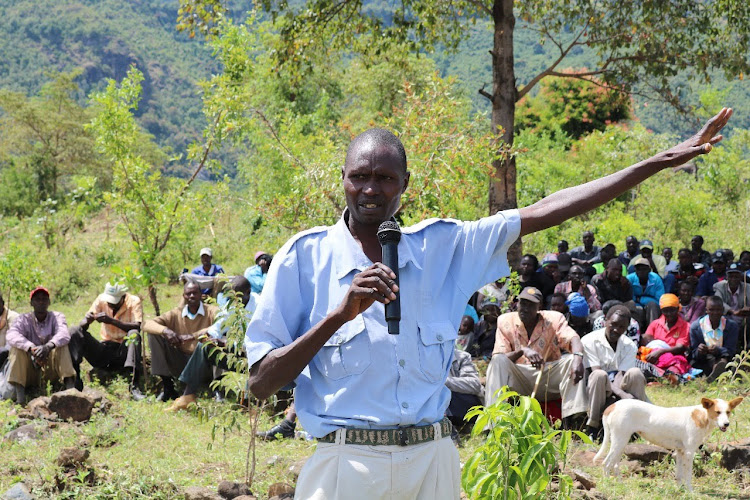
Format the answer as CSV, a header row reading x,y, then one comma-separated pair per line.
x,y
541,370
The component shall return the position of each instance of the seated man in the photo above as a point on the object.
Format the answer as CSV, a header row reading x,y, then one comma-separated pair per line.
x,y
647,290
528,276
700,256
120,314
632,250
612,285
466,388
484,332
578,314
530,340
657,262
686,271
587,254
735,293
173,336
691,307
668,337
200,368
256,274
608,252
610,357
716,274
633,332
577,283
550,267
207,268
713,340
7,317
557,303
39,347
671,266
465,333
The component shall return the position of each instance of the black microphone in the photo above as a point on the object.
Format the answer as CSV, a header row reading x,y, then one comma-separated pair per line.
x,y
389,234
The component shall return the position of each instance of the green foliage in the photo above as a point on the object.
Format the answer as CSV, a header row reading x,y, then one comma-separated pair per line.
x,y
19,273
153,209
737,375
575,107
520,456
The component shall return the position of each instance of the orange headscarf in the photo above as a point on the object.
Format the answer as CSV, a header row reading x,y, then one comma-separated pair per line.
x,y
669,300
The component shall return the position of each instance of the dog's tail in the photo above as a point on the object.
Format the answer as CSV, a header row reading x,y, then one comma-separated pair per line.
x,y
605,440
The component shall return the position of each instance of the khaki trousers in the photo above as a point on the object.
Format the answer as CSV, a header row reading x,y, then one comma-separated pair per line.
x,y
166,360
555,383
23,372
426,471
600,389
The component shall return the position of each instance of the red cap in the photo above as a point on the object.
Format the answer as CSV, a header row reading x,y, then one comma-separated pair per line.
x,y
38,289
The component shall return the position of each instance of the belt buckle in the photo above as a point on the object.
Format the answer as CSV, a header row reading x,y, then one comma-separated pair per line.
x,y
403,437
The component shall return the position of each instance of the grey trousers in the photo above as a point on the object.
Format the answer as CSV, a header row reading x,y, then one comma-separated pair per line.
x,y
166,360
599,390
555,382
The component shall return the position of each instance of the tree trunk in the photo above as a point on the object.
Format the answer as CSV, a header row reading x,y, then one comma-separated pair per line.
x,y
503,185
154,301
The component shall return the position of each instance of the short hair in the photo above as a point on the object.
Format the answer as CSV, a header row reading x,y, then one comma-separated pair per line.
x,y
559,295
466,316
743,253
610,245
378,137
631,238
698,237
609,305
714,299
588,231
190,282
618,309
533,259
614,262
687,283
684,250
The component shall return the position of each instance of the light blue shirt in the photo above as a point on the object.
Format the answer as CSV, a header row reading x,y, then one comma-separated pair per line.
x,y
363,377
187,314
653,291
255,276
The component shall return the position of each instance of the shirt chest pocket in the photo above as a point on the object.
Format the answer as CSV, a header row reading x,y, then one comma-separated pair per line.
x,y
436,342
347,352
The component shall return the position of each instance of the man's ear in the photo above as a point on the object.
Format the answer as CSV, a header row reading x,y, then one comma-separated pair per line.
x,y
342,172
406,181
733,403
707,403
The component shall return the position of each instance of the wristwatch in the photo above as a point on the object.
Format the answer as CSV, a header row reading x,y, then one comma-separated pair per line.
x,y
578,354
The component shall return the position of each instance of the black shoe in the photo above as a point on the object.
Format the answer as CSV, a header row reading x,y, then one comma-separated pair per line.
x,y
285,428
167,395
594,434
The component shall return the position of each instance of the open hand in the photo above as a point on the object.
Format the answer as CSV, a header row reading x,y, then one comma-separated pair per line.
x,y
700,143
376,283
534,357
576,371
653,356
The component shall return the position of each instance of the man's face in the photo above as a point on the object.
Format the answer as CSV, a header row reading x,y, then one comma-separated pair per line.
x,y
719,266
40,303
647,252
745,261
685,259
558,304
631,243
374,179
206,260
614,271
466,326
587,239
607,254
576,276
733,279
715,311
670,314
667,254
696,244
616,326
642,271
552,271
264,264
527,266
490,313
686,293
562,246
192,295
527,310
728,256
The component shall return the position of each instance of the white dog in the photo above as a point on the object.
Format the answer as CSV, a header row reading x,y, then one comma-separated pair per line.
x,y
680,429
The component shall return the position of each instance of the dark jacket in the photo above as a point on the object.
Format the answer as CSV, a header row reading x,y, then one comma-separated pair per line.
x,y
729,347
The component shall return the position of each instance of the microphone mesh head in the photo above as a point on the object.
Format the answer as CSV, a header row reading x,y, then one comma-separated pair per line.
x,y
388,232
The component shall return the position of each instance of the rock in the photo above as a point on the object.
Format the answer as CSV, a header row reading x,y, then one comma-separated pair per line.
x,y
39,408
72,457
735,456
71,404
230,490
28,432
99,398
280,489
646,453
585,479
18,491
273,460
200,493
296,467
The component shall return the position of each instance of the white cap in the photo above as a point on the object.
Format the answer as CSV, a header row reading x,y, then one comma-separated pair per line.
x,y
206,251
113,293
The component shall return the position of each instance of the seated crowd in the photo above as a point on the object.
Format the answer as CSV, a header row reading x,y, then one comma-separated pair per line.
x,y
589,326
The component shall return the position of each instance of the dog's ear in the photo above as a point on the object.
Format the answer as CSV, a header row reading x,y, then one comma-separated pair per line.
x,y
707,403
733,403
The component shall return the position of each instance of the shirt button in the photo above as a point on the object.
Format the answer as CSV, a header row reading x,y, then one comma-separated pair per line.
x,y
440,338
401,362
405,405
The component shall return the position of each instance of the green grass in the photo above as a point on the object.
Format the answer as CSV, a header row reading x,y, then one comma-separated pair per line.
x,y
139,451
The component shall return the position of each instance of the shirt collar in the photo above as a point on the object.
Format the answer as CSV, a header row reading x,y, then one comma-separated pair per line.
x,y
186,312
348,257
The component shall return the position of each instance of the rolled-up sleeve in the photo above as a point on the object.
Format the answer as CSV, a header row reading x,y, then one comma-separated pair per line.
x,y
276,321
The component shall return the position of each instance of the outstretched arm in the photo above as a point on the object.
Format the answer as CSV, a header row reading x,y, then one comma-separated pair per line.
x,y
578,200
